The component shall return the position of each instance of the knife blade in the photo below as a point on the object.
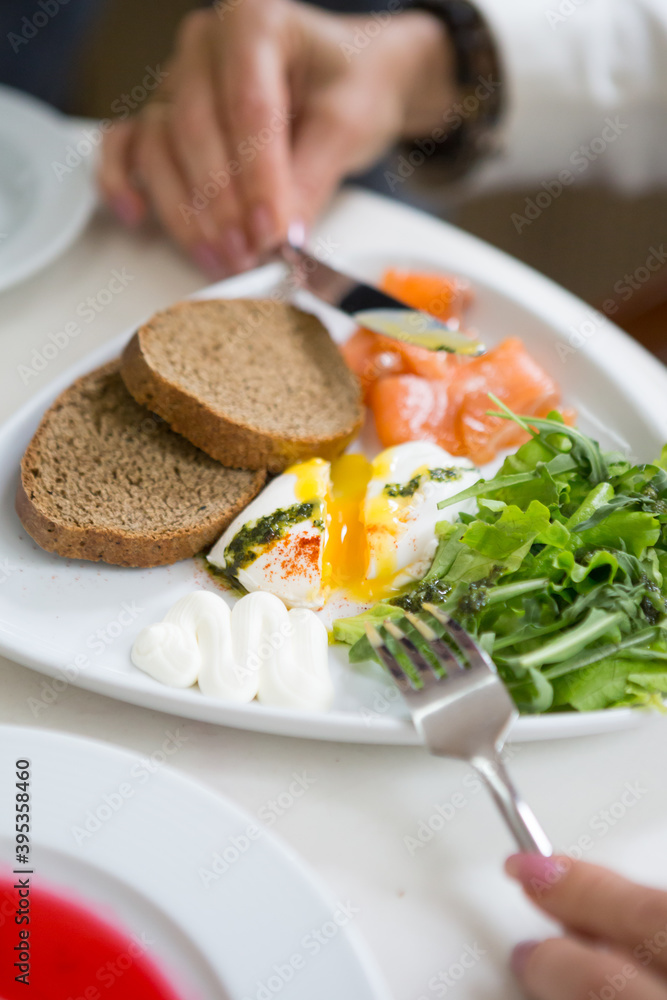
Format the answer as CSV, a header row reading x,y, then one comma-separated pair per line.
x,y
374,309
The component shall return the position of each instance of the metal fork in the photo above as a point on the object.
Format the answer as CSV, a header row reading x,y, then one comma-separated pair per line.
x,y
465,713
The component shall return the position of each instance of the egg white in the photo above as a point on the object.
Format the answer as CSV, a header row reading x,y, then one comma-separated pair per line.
x,y
280,568
401,529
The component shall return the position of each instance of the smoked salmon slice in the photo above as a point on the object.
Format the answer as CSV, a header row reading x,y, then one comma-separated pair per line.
x,y
444,296
453,411
416,394
509,372
372,357
411,408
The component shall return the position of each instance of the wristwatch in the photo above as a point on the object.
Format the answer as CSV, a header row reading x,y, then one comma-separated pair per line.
x,y
471,123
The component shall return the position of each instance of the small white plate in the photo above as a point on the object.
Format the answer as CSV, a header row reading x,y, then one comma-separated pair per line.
x,y
142,863
46,189
76,621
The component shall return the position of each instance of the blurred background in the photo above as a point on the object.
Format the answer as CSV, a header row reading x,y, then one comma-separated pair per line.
x,y
594,239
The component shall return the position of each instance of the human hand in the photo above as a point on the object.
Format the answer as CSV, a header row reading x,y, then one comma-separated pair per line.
x,y
618,946
267,106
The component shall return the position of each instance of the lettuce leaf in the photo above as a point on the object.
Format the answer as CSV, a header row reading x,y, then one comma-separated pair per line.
x,y
632,530
595,687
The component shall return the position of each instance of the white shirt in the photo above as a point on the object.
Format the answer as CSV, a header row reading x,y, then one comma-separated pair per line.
x,y
585,93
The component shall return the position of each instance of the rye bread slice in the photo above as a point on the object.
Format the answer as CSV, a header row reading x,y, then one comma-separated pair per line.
x,y
255,383
104,479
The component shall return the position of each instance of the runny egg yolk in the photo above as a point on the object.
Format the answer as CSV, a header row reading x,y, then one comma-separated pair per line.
x,y
346,550
345,563
312,480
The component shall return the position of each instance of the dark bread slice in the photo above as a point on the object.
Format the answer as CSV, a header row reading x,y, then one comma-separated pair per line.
x,y
105,479
255,383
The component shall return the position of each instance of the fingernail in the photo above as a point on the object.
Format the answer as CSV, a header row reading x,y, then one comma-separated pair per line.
x,y
520,956
296,233
235,250
535,872
126,209
263,228
209,261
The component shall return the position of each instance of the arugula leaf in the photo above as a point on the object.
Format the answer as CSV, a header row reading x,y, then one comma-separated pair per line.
x,y
508,591
596,624
635,530
584,449
507,541
350,630
511,488
596,687
651,677
533,693
600,497
597,653
449,535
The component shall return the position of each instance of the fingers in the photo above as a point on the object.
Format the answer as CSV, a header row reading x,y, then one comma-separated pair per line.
x,y
320,161
255,102
114,174
218,152
594,901
201,146
169,196
564,969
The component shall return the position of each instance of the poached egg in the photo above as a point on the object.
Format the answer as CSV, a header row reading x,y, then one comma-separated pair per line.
x,y
362,528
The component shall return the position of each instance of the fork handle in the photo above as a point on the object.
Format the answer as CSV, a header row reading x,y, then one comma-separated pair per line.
x,y
519,817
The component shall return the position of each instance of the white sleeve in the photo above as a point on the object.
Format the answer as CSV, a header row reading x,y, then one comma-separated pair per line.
x,y
585,86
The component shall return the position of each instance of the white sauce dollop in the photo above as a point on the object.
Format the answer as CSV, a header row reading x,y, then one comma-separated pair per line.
x,y
257,649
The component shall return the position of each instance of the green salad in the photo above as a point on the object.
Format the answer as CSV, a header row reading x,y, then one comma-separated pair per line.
x,y
561,574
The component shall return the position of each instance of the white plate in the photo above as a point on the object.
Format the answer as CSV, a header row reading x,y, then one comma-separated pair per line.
x,y
76,621
142,865
43,206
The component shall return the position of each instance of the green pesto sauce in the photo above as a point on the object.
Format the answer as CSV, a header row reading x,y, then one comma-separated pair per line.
x,y
220,576
242,550
472,600
436,475
434,592
448,475
405,490
475,598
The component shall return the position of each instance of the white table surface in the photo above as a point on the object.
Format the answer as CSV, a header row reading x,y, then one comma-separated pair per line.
x,y
419,910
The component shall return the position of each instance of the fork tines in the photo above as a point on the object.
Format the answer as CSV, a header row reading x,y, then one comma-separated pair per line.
x,y
453,651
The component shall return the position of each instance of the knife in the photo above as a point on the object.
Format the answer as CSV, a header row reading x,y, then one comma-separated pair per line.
x,y
374,309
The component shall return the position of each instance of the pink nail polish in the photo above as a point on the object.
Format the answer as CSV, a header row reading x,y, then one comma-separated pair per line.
x,y
235,251
125,209
520,956
209,261
296,233
535,872
263,228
